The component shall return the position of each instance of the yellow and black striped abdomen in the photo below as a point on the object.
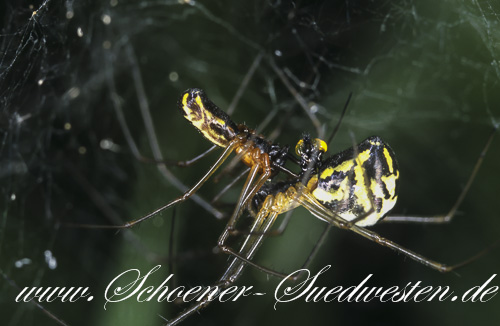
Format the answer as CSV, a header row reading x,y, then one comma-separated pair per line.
x,y
361,182
212,122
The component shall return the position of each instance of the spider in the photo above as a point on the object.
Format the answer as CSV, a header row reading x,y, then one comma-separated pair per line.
x,y
352,190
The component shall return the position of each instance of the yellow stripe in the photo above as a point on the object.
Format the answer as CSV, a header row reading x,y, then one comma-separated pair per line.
x,y
388,158
205,121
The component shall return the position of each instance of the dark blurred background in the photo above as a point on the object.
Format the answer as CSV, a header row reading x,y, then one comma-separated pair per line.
x,y
424,77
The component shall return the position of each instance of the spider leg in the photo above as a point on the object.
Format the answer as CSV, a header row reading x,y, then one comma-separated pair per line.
x,y
185,196
247,192
263,222
283,202
446,218
150,130
231,184
319,211
444,268
138,156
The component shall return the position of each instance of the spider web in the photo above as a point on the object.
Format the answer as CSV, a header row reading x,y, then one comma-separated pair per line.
x,y
424,76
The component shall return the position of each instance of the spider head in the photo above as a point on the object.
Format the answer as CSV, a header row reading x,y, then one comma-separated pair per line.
x,y
310,152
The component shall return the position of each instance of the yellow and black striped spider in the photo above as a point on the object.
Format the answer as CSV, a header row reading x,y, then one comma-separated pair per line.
x,y
352,190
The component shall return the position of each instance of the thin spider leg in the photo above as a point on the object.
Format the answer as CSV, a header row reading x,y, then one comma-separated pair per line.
x,y
239,205
233,162
231,184
305,265
152,136
263,222
314,251
255,233
271,233
339,122
151,133
444,268
285,170
244,83
113,217
282,227
317,246
302,102
262,225
309,258
445,218
319,211
185,163
263,178
284,202
226,188
306,199
292,200
285,221
186,195
247,192
170,263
